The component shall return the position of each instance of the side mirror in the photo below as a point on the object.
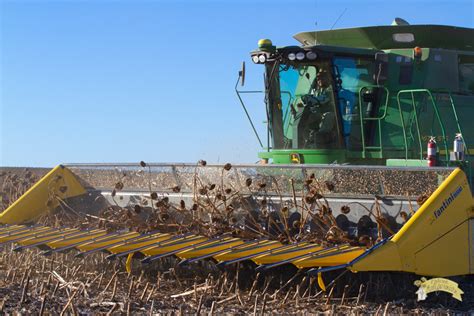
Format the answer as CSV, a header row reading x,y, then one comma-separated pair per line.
x,y
242,74
381,68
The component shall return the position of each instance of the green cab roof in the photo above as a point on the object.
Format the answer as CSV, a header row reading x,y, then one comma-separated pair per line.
x,y
393,36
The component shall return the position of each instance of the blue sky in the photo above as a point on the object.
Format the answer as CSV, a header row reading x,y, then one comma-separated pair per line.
x,y
124,81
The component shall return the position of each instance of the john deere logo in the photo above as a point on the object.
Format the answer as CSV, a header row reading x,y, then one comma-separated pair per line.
x,y
295,158
437,284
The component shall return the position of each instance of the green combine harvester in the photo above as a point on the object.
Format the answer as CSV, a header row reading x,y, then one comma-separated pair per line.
x,y
368,136
386,91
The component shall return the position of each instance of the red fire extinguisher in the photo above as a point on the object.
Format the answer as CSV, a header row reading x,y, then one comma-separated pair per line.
x,y
432,151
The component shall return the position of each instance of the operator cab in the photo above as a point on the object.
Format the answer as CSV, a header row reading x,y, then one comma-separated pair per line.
x,y
304,107
313,96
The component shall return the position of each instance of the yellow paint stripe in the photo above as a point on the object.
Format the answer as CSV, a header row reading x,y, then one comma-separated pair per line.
x,y
57,235
141,242
32,233
9,228
286,255
19,230
25,230
245,245
71,241
99,243
204,250
239,253
253,243
331,258
173,245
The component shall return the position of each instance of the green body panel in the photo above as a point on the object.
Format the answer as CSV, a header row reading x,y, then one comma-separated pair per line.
x,y
407,163
322,156
380,37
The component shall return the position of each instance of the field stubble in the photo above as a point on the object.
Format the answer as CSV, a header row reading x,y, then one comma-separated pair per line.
x,y
63,284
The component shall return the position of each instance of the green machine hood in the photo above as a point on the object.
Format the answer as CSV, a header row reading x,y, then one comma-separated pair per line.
x,y
385,37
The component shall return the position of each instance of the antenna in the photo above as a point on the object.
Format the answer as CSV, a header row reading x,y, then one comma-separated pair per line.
x,y
337,20
315,33
316,24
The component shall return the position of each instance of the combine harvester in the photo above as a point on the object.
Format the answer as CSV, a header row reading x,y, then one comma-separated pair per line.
x,y
360,171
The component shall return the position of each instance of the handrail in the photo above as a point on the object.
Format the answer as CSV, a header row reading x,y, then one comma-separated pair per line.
x,y
466,149
457,123
403,127
435,108
378,119
420,144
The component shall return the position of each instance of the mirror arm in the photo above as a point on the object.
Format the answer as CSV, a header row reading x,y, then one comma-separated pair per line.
x,y
246,112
